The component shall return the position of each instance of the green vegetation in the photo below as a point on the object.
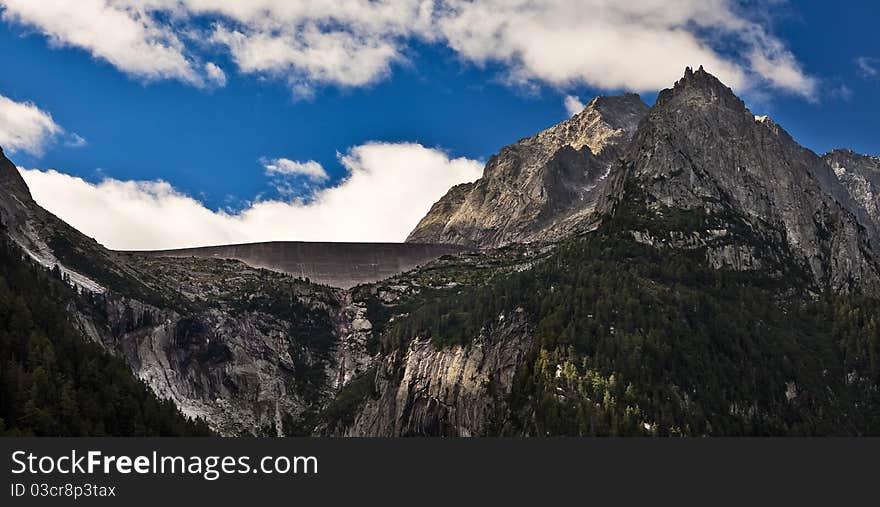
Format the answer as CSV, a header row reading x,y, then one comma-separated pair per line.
x,y
95,264
340,412
422,290
53,382
631,339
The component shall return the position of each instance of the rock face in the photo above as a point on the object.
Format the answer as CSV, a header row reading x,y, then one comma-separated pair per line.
x,y
860,174
249,350
45,238
540,188
445,391
701,149
252,357
341,265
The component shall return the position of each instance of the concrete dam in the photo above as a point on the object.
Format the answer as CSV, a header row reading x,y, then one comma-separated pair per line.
x,y
342,265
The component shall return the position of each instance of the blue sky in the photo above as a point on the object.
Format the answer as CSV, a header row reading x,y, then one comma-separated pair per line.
x,y
442,87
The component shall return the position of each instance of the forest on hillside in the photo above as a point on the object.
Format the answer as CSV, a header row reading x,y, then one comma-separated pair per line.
x,y
631,339
53,381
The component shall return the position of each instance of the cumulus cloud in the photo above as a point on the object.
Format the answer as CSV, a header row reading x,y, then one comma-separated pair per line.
x,y
608,44
388,189
603,43
573,105
126,34
310,57
26,127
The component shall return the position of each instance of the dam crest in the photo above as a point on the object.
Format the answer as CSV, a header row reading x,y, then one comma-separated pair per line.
x,y
342,265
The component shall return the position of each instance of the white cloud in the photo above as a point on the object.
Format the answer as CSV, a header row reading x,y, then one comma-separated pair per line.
x,y
286,167
573,105
868,66
389,188
26,127
608,44
215,74
310,57
75,141
778,66
124,33
603,43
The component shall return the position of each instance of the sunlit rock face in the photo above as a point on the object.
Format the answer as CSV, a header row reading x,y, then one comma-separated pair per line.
x,y
860,174
342,265
540,188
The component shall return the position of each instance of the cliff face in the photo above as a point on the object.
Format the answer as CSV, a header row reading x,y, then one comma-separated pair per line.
x,y
249,351
540,188
860,174
456,391
701,149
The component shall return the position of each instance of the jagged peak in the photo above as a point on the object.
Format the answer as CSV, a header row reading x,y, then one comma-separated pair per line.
x,y
700,76
700,86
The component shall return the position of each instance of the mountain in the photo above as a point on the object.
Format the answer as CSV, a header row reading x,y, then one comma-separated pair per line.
x,y
53,380
247,350
683,269
700,151
541,188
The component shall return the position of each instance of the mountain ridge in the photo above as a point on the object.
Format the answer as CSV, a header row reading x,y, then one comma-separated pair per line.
x,y
698,147
635,265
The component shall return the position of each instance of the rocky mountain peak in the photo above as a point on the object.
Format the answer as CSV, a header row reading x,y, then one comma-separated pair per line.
x,y
702,151
701,89
540,187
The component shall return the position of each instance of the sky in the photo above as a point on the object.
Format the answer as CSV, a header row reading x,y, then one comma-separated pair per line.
x,y
172,123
